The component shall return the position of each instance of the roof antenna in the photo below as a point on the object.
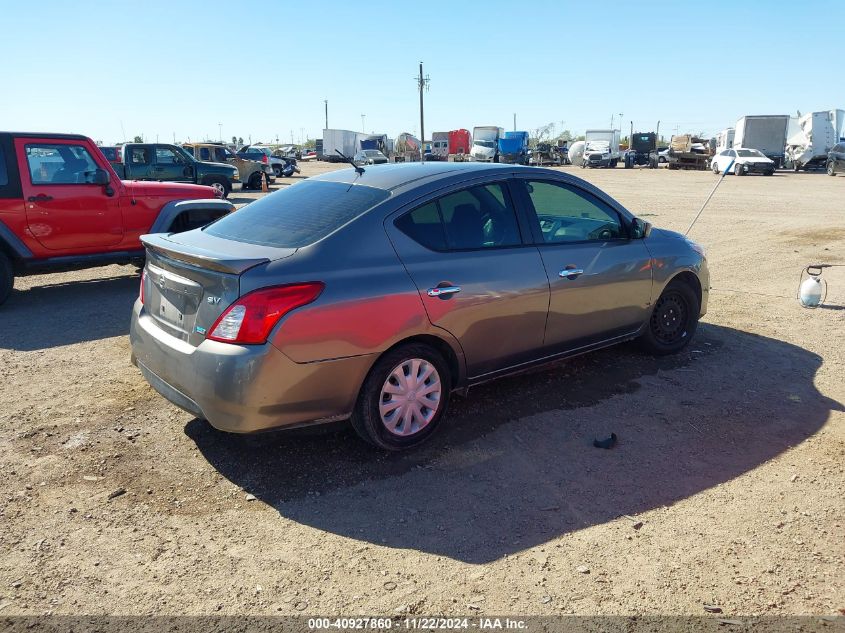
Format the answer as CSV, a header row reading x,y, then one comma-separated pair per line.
x,y
358,169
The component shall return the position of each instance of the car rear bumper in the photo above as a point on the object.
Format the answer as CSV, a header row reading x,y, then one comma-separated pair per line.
x,y
244,388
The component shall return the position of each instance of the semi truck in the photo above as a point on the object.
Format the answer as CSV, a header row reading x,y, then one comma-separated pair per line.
x,y
642,146
406,148
766,133
816,135
690,152
460,144
485,143
601,148
439,146
513,148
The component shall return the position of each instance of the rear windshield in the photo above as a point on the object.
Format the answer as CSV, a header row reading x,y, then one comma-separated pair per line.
x,y
298,215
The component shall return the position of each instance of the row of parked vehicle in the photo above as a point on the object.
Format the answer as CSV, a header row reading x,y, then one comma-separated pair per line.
x,y
211,164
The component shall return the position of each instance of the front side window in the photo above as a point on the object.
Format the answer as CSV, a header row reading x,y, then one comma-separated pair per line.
x,y
166,156
221,154
59,164
566,215
476,218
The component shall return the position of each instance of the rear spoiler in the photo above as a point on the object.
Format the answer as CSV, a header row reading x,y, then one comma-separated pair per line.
x,y
160,244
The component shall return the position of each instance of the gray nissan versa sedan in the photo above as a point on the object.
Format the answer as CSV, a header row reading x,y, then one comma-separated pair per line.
x,y
374,296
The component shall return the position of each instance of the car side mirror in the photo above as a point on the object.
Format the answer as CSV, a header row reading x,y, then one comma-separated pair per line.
x,y
640,229
100,177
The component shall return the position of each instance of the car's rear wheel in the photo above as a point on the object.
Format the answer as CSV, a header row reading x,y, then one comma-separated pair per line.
x,y
831,168
7,278
738,170
673,320
255,180
277,170
403,398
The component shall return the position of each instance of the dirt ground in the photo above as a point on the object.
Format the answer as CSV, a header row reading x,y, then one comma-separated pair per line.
x,y
726,486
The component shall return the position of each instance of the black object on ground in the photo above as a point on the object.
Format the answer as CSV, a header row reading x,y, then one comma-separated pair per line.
x,y
609,442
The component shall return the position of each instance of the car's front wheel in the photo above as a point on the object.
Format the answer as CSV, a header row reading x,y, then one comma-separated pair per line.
x,y
673,320
403,398
220,185
277,170
738,170
831,169
715,168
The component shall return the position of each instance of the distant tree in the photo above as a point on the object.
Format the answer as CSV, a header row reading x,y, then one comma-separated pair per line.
x,y
240,140
566,135
581,138
138,139
234,140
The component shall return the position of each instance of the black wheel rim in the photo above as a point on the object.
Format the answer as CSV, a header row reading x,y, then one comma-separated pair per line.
x,y
669,319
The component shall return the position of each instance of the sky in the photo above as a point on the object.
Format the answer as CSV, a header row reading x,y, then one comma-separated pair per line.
x,y
193,70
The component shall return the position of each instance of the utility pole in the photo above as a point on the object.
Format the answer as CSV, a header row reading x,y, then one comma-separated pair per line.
x,y
620,121
514,121
422,83
220,131
326,101
363,129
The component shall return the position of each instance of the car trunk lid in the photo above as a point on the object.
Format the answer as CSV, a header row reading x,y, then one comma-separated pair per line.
x,y
187,287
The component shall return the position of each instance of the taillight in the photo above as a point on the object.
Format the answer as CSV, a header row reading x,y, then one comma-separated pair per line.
x,y
143,280
249,320
265,160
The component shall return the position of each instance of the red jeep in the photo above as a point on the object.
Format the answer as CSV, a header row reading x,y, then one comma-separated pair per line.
x,y
63,207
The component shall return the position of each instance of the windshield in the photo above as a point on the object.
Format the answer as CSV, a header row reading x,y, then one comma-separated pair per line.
x,y
749,153
486,143
298,215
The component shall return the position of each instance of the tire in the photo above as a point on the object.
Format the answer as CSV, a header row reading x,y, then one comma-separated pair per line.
x,y
769,173
673,320
367,419
738,170
831,168
220,184
7,278
795,166
661,159
277,170
715,168
255,181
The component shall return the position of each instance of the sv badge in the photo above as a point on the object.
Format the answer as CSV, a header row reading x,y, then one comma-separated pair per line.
x,y
212,300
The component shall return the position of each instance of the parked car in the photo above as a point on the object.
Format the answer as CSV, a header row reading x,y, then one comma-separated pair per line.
x,y
835,159
370,157
265,155
62,206
308,153
286,325
746,161
171,163
250,170
663,154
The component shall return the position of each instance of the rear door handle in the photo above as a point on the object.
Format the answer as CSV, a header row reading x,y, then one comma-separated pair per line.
x,y
571,273
40,198
442,291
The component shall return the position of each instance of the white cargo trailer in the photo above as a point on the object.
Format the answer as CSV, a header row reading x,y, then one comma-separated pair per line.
x,y
725,139
817,133
344,140
765,133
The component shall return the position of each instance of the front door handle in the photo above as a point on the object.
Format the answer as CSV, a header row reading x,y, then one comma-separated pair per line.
x,y
442,291
40,198
571,273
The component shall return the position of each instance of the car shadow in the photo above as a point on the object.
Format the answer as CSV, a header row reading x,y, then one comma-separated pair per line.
x,y
66,313
514,465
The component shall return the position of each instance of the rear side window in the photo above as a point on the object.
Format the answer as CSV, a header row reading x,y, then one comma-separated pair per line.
x,y
59,164
475,218
298,215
